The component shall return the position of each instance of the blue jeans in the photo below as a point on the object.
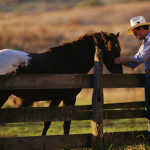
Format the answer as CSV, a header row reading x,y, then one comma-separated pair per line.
x,y
147,95
147,103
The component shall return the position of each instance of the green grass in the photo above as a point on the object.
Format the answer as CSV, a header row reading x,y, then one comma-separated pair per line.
x,y
77,127
118,125
20,129
34,129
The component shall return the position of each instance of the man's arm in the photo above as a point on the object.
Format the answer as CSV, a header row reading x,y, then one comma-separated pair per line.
x,y
124,60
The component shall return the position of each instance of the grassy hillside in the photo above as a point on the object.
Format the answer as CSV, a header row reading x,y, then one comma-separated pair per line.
x,y
50,5
37,31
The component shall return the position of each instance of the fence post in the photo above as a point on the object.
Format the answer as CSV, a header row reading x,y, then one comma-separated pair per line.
x,y
97,100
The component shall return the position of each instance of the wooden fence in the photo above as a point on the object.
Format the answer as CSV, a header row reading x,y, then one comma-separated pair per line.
x,y
97,113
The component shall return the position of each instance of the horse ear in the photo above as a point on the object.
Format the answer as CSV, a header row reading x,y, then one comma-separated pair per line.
x,y
117,35
103,36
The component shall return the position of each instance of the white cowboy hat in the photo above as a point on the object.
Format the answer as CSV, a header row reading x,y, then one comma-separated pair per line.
x,y
136,22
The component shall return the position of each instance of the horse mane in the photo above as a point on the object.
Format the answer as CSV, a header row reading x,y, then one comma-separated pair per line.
x,y
81,38
87,35
95,36
67,45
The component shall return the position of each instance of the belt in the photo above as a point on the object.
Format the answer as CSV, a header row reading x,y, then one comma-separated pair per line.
x,y
147,72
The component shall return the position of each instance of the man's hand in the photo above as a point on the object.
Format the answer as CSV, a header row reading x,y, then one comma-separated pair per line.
x,y
120,60
124,60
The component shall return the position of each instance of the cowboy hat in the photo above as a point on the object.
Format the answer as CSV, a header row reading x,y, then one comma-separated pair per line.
x,y
136,22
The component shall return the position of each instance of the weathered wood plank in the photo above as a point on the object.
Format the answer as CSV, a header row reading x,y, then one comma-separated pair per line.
x,y
45,81
46,142
134,105
123,114
123,80
97,99
10,115
71,141
59,81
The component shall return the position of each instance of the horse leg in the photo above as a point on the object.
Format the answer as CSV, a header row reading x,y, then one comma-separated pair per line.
x,y
47,124
66,124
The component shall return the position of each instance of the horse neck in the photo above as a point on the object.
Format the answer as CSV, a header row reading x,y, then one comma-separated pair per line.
x,y
79,54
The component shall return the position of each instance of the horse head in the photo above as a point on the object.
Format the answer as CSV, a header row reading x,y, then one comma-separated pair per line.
x,y
109,44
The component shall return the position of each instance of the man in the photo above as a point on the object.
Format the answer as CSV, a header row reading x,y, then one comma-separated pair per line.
x,y
140,29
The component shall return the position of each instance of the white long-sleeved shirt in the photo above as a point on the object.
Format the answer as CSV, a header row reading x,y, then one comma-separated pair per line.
x,y
143,55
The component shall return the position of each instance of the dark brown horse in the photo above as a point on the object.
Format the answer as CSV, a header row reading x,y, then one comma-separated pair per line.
x,y
73,57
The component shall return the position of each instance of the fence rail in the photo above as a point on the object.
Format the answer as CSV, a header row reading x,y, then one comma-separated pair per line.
x,y
36,82
123,110
70,141
59,81
46,142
